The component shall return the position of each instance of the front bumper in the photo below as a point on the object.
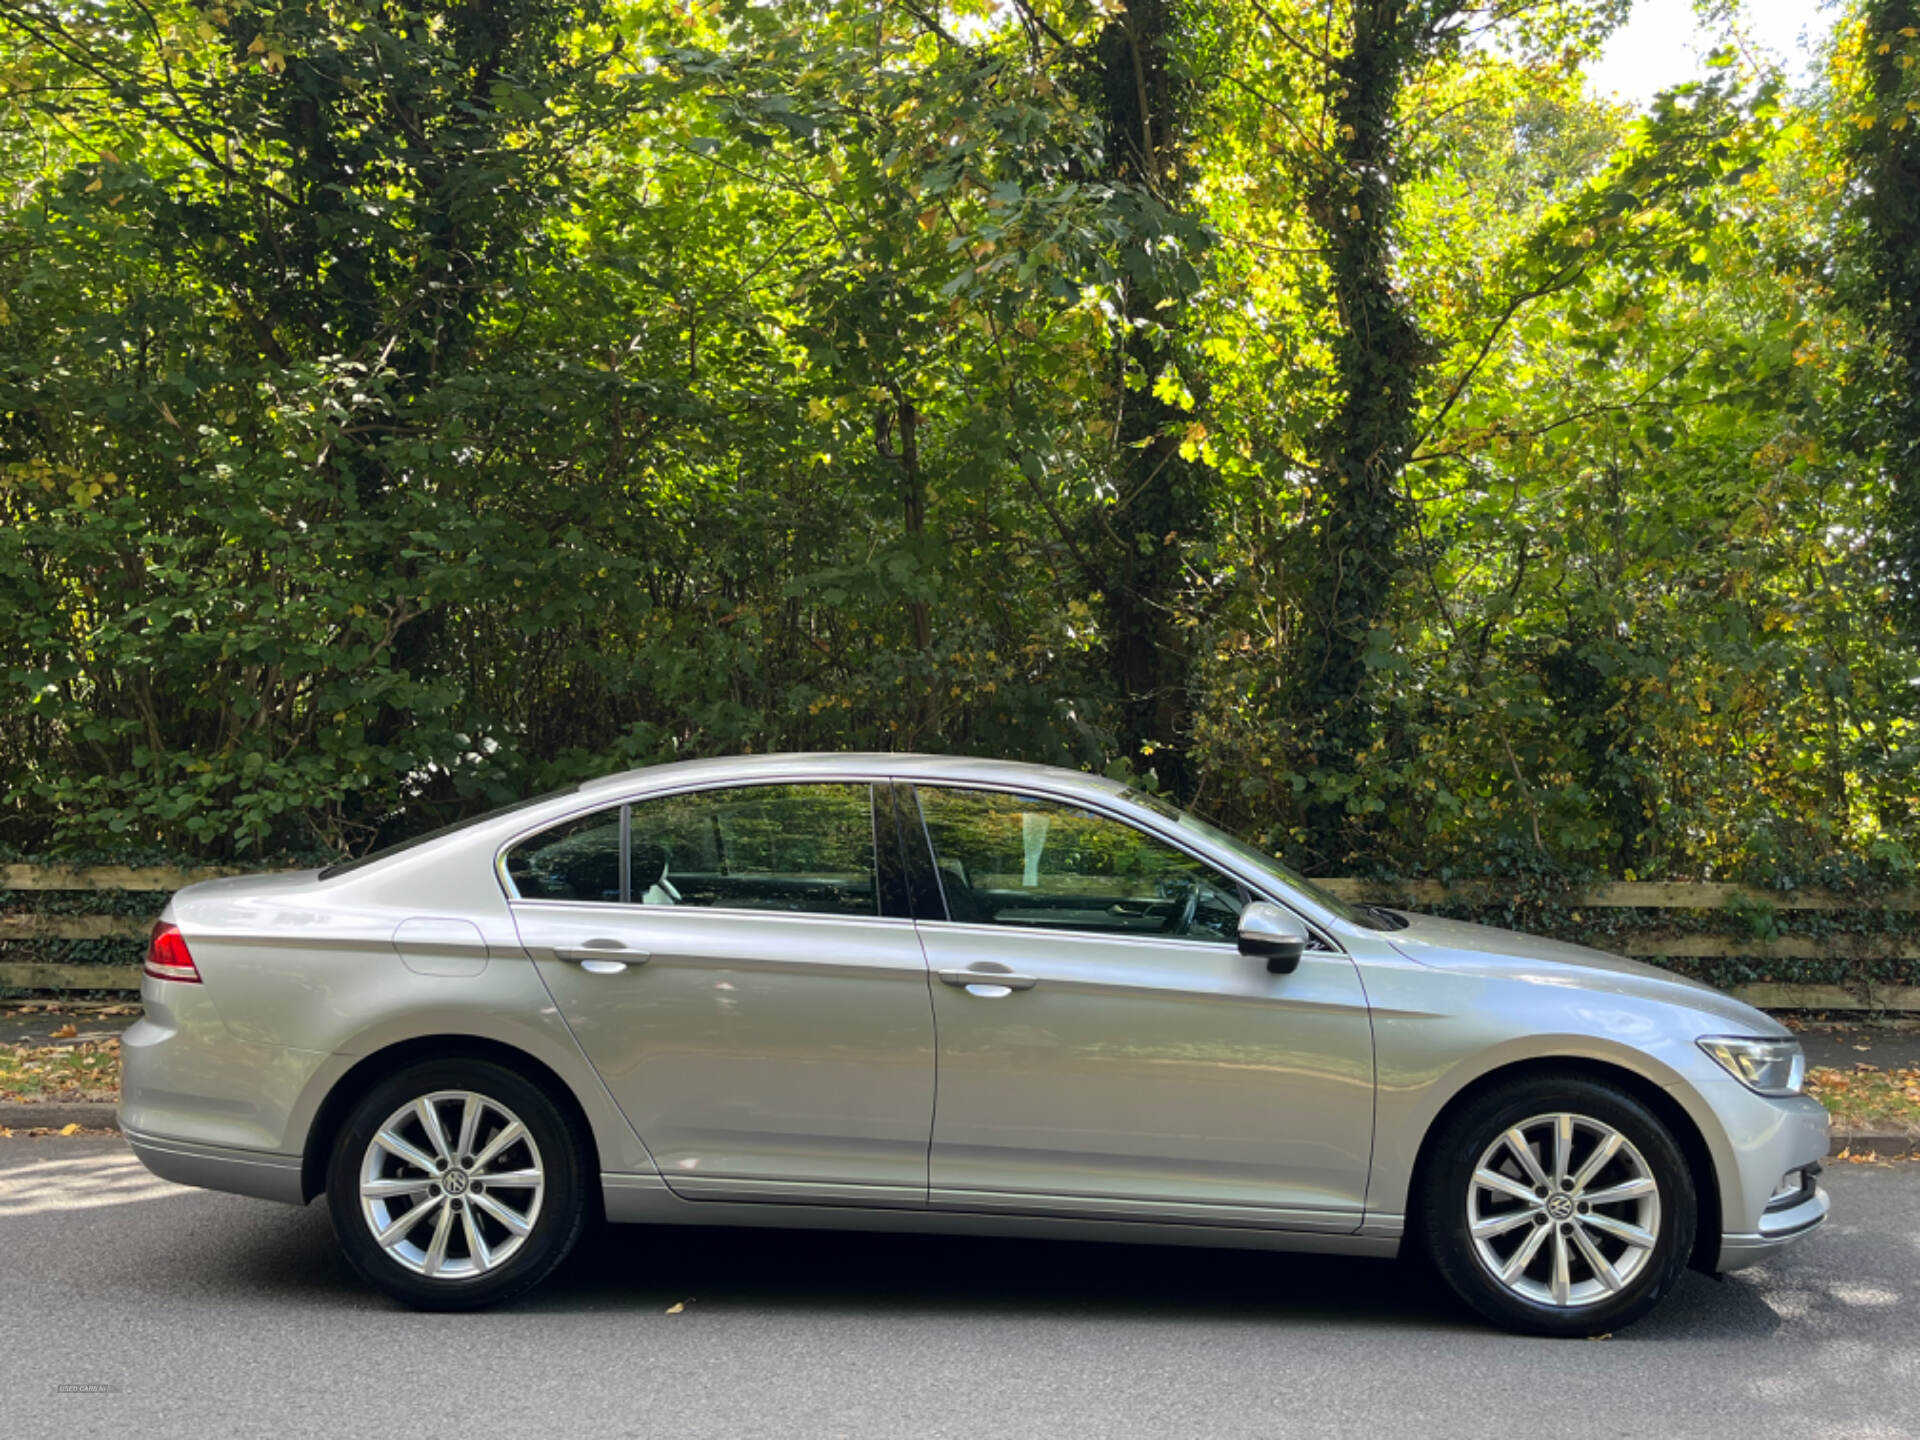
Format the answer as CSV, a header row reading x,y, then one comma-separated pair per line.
x,y
1778,1229
1765,1138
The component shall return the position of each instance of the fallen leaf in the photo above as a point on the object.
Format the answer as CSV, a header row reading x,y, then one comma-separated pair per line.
x,y
678,1306
73,1128
65,1032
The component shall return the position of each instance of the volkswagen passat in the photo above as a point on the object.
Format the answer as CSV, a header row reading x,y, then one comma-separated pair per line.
x,y
912,993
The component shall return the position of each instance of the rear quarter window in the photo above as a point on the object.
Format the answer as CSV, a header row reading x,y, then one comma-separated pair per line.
x,y
577,859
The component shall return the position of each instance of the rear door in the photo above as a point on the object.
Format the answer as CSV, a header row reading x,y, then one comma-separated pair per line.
x,y
725,959
1106,1050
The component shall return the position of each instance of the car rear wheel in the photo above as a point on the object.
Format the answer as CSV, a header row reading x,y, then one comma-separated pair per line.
x,y
1559,1206
456,1184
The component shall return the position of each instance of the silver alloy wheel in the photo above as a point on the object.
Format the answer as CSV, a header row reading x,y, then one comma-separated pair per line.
x,y
451,1185
1563,1210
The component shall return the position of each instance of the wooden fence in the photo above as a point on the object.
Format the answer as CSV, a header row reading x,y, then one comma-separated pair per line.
x,y
1638,895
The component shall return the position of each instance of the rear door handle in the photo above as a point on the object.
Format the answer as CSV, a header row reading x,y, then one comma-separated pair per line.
x,y
978,981
601,959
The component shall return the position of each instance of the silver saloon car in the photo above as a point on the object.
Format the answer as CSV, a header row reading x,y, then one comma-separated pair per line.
x,y
919,993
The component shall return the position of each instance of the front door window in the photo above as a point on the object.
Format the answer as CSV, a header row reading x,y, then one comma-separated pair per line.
x,y
1010,859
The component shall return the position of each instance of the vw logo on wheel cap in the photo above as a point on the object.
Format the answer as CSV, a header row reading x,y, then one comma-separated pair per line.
x,y
455,1182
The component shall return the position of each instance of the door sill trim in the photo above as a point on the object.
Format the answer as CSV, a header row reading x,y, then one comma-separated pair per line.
x,y
708,1189
650,1193
647,1200
1316,1219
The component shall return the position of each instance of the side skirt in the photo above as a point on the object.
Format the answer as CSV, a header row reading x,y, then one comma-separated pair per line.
x,y
646,1200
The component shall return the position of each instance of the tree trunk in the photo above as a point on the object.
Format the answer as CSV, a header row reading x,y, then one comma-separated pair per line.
x,y
1162,500
901,417
1380,356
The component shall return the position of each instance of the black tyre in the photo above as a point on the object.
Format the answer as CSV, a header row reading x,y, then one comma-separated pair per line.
x,y
457,1184
1558,1206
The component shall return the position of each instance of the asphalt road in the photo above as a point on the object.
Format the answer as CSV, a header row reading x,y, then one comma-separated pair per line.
x,y
128,1305
1890,1045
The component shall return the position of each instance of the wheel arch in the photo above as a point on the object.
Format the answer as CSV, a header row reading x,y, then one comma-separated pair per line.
x,y
369,1070
1665,1107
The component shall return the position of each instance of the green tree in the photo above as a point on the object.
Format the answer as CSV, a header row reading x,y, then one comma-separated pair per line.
x,y
1877,96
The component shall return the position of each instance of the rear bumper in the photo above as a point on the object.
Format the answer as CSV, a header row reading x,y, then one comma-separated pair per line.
x,y
186,1076
220,1167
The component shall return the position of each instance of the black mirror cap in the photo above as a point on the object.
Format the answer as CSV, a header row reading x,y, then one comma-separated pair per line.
x,y
1282,956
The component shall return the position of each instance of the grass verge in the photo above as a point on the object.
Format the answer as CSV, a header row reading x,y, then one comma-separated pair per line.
x,y
1868,1100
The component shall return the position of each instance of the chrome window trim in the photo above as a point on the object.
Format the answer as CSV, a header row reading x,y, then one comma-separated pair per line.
x,y
613,907
1143,938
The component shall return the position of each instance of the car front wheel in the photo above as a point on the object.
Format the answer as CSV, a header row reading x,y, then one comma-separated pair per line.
x,y
1559,1206
456,1184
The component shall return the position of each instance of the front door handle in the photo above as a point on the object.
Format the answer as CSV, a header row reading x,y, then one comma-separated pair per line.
x,y
988,984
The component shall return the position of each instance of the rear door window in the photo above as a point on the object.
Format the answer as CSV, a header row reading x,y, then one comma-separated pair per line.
x,y
806,849
801,848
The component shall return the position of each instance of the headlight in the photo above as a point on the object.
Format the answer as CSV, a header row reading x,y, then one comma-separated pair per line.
x,y
1773,1067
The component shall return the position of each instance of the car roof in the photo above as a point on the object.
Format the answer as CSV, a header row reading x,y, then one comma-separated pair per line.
x,y
828,765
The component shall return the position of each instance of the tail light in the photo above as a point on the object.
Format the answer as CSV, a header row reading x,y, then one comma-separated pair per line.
x,y
168,957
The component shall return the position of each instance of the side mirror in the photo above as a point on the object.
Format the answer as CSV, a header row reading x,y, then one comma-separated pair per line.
x,y
1273,932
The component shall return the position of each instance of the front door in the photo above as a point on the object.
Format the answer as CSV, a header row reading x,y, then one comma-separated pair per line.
x,y
765,1028
1105,1049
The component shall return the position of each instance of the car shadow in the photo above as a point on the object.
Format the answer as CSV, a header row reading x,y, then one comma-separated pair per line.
x,y
620,1267
641,1269
831,1271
